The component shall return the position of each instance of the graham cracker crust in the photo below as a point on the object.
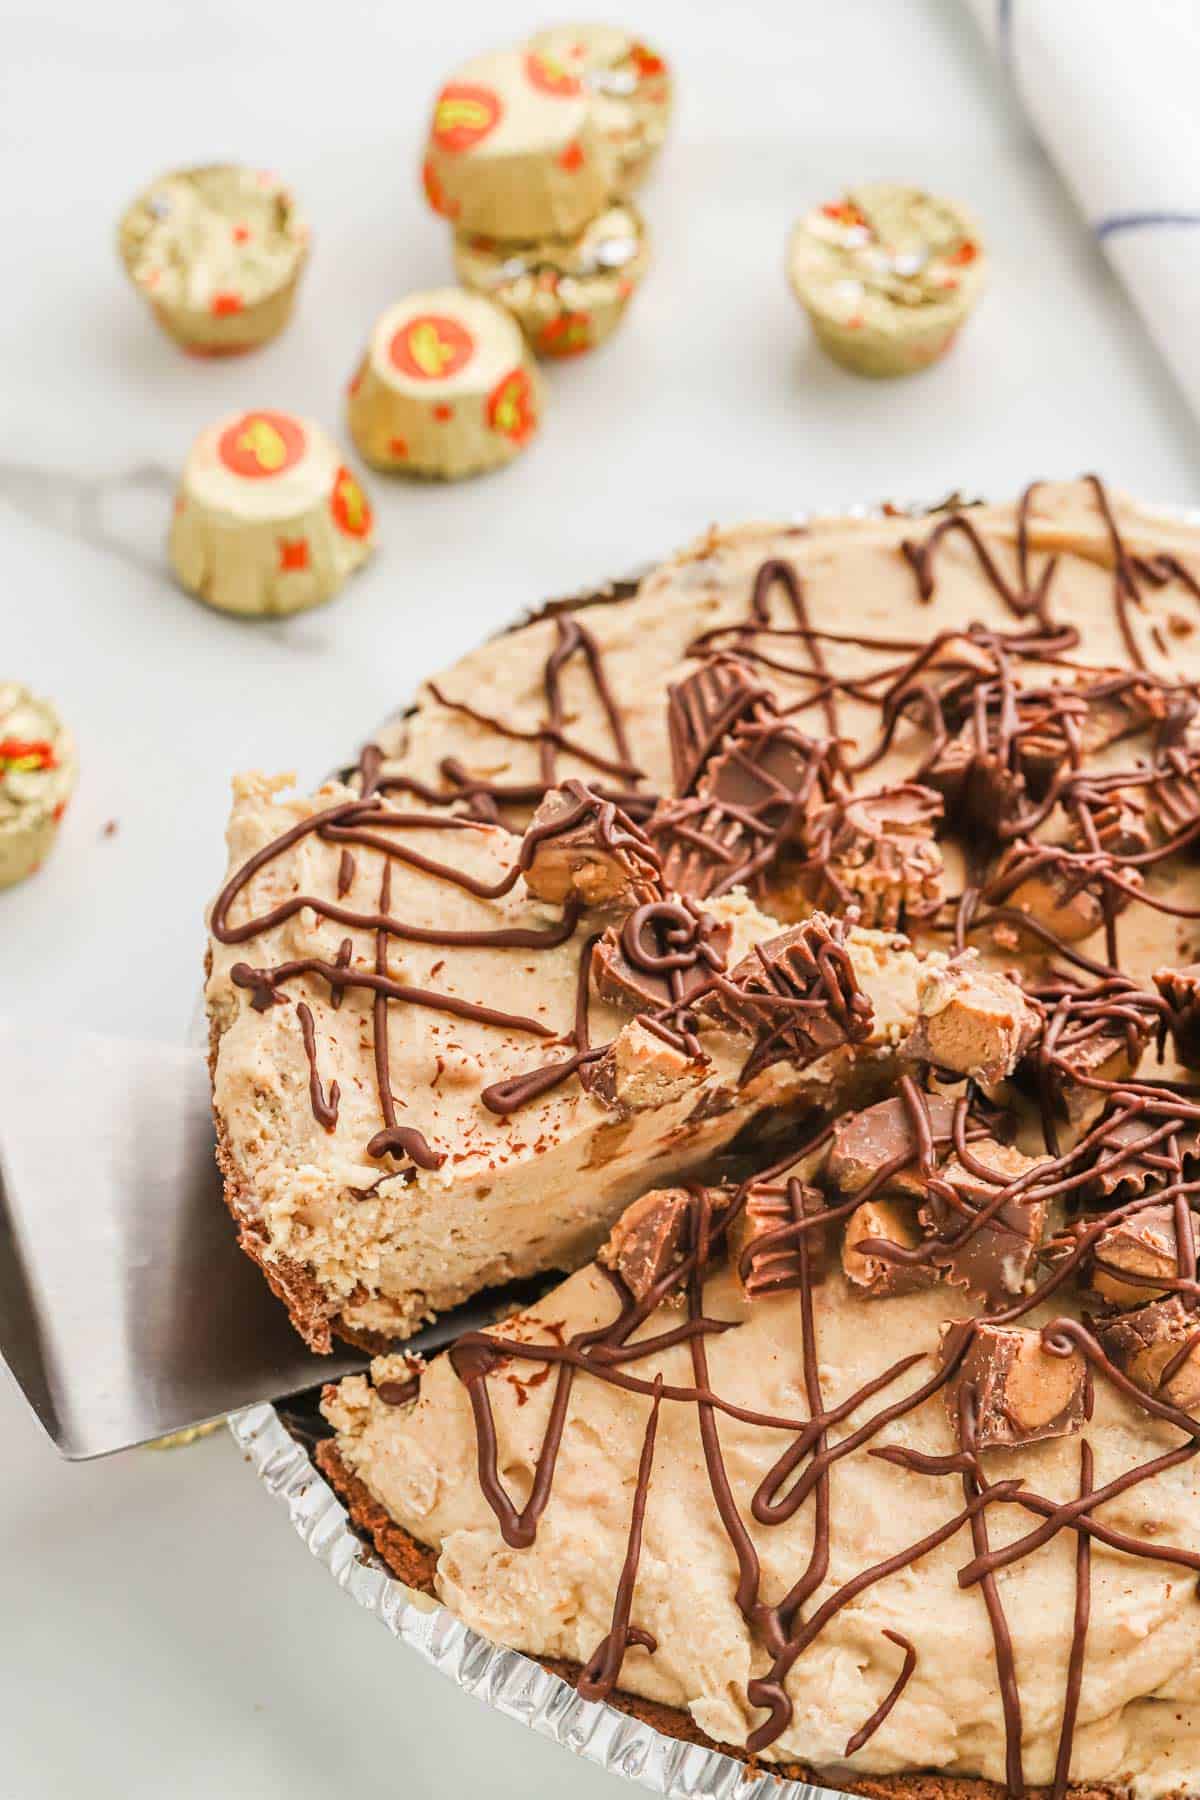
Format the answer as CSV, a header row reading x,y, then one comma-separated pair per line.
x,y
415,1564
307,1307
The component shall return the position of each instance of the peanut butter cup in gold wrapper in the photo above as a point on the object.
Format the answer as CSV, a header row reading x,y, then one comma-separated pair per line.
x,y
516,149
888,275
268,518
567,294
631,84
217,252
38,771
445,388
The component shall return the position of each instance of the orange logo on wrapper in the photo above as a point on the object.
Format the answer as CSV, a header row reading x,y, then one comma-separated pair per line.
x,y
436,194
646,61
26,756
293,555
349,505
431,347
567,335
261,443
550,76
463,114
510,409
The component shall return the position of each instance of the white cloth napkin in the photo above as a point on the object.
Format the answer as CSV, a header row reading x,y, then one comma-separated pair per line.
x,y
1112,88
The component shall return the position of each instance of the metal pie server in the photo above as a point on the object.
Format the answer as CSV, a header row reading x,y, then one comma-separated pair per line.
x,y
126,1309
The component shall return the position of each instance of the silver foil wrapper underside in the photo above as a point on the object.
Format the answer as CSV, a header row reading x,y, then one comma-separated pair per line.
x,y
505,1680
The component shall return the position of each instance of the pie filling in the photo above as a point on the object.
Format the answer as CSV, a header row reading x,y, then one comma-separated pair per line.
x,y
809,937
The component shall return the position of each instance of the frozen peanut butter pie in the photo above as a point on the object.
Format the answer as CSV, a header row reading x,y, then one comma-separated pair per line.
x,y
454,1057
809,936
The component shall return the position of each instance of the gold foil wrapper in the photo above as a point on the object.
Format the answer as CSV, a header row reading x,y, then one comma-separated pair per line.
x,y
566,294
888,275
631,84
516,149
38,772
268,518
217,252
445,388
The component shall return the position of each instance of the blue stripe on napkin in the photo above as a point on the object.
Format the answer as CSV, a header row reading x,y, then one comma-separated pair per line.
x,y
1004,32
1111,223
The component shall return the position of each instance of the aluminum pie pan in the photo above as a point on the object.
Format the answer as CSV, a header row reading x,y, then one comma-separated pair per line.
x,y
506,1680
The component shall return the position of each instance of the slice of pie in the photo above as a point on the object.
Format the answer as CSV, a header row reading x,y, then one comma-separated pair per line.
x,y
863,854
441,1062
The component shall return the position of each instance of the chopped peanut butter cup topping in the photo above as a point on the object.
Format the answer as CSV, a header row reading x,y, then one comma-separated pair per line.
x,y
579,847
1180,988
1017,1390
972,1021
812,925
647,1241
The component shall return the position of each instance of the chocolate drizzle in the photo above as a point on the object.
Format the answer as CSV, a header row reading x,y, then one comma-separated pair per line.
x,y
325,1109
879,1717
1025,735
1079,1628
602,1671
1005,727
746,780
797,993
349,820
975,1488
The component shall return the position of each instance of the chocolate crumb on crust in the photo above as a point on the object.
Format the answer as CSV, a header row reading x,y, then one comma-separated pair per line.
x,y
415,1564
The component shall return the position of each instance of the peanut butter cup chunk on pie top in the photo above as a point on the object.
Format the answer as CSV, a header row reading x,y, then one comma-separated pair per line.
x,y
868,1448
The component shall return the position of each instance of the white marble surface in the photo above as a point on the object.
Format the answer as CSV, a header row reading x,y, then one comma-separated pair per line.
x,y
162,1631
